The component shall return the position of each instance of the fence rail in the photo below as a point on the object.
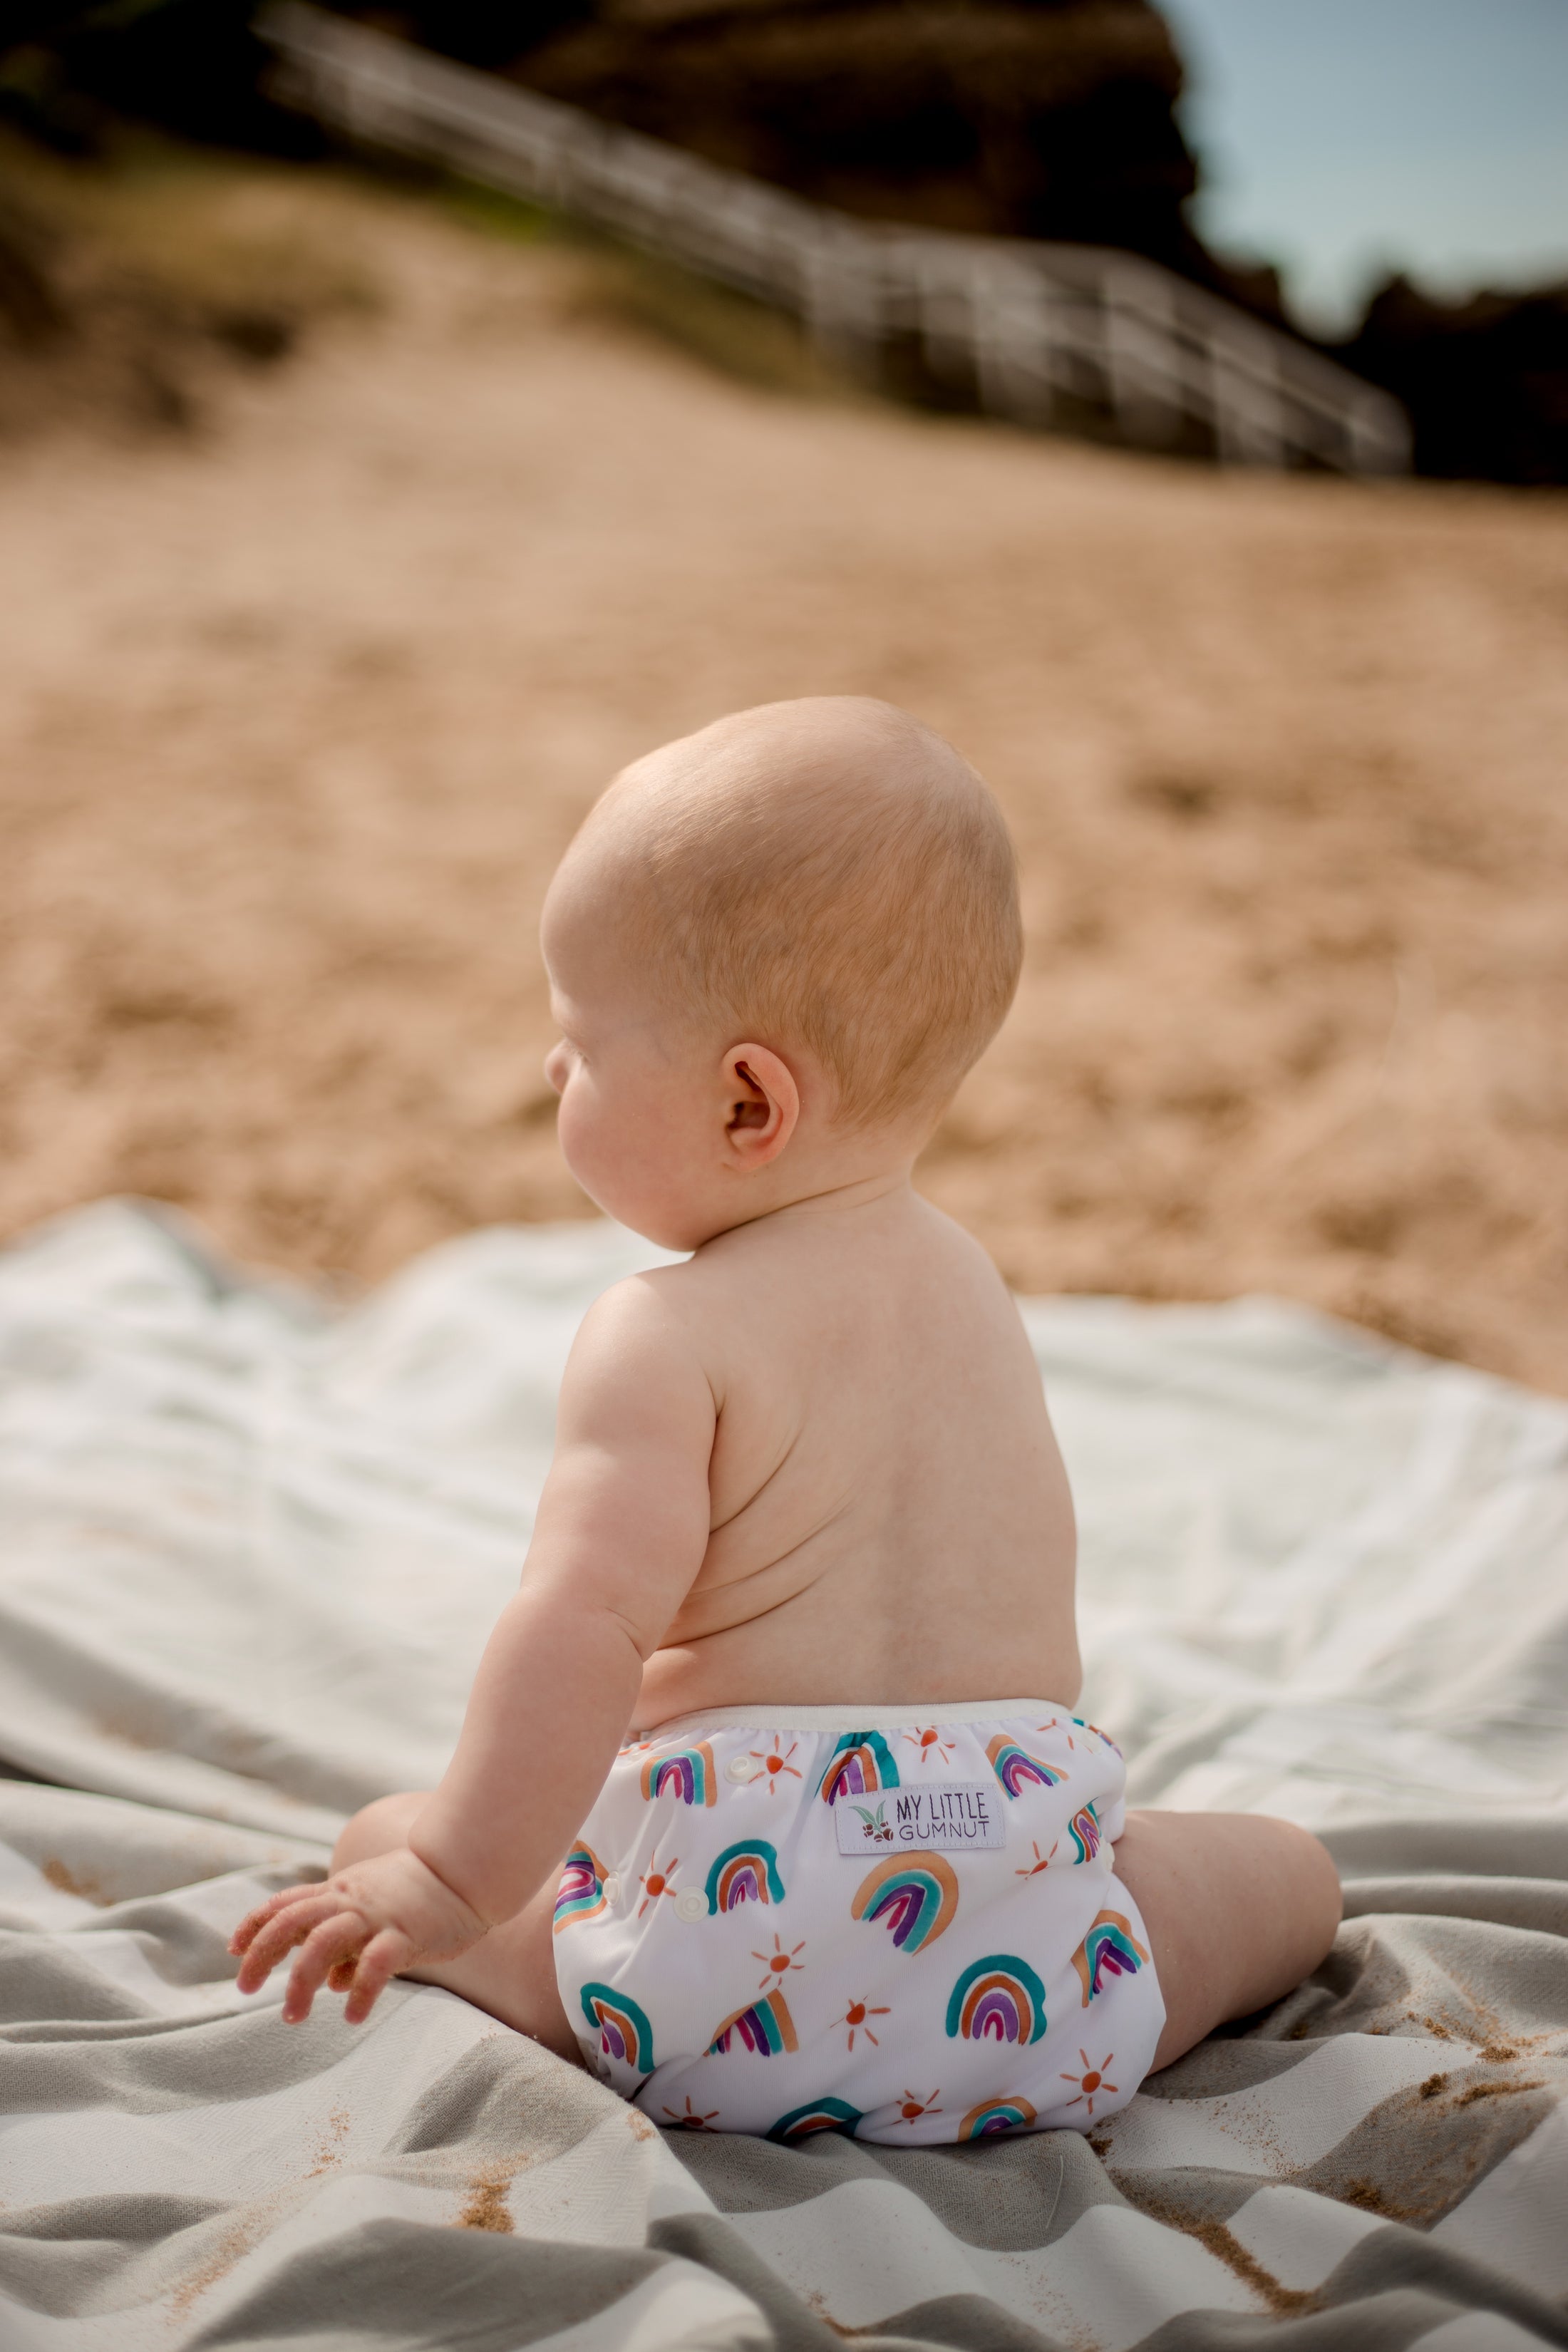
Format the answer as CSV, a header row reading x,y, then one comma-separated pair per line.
x,y
1076,337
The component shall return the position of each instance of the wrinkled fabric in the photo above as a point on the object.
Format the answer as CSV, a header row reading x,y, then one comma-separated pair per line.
x,y
251,1544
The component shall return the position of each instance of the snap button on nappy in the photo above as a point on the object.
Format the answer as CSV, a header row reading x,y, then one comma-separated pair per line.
x,y
742,1768
692,1904
612,1888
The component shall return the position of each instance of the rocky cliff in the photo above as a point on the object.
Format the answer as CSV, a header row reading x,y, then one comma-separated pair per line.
x,y
1486,381
1013,118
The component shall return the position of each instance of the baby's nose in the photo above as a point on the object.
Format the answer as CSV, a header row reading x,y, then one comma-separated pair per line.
x,y
555,1067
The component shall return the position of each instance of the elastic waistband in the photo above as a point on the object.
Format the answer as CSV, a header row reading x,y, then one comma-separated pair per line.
x,y
785,1717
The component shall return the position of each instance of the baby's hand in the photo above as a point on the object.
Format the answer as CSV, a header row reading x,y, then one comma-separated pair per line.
x,y
365,1925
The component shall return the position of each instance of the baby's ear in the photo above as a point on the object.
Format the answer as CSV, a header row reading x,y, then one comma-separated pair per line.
x,y
761,1107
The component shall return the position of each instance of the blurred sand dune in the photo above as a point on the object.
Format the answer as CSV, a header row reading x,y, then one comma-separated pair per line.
x,y
299,710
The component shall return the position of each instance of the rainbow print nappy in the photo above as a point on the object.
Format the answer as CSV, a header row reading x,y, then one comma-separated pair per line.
x,y
909,1932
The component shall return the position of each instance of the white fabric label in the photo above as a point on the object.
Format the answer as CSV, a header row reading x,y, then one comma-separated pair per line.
x,y
936,1816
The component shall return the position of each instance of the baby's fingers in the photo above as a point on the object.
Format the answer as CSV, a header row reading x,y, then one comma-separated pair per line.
x,y
275,1938
378,1964
252,1924
323,1949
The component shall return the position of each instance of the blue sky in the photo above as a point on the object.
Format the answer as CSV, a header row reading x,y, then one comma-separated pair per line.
x,y
1343,138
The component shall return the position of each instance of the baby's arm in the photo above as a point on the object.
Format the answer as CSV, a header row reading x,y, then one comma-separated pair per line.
x,y
622,1529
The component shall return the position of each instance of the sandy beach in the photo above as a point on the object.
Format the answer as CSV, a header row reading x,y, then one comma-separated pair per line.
x,y
300,705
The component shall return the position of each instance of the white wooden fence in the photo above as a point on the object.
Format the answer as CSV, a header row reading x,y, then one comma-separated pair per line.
x,y
1065,335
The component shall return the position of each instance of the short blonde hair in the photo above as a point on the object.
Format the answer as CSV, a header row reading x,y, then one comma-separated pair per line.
x,y
826,873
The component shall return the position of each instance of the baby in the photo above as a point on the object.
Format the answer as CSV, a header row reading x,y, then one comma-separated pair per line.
x,y
770,1803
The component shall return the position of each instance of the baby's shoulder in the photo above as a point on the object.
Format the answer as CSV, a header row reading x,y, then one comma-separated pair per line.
x,y
651,1308
665,1315
736,1306
637,1360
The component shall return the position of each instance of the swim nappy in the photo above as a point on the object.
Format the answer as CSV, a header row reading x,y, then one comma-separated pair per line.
x,y
854,1922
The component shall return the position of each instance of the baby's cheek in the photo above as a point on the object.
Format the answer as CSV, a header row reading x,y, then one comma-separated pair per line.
x,y
571,1124
587,1143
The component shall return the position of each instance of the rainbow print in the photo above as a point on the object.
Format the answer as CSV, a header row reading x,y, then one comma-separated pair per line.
x,y
992,2115
861,1761
764,2026
1086,1833
817,2115
1110,1950
1014,1767
687,1770
998,1999
914,1894
747,1872
625,2034
581,1895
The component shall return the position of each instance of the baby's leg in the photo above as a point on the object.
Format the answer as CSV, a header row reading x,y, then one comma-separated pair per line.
x,y
511,1971
1240,1908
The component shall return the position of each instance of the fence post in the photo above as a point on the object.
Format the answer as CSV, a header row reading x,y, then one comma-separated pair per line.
x,y
1143,363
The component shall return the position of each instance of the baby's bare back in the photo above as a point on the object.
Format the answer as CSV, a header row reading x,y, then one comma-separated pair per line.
x,y
890,1519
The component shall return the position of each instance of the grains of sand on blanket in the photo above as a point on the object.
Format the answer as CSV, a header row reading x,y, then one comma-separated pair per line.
x,y
312,659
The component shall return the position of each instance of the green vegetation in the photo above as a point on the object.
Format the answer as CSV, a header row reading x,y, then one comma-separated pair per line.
x,y
125,275
728,331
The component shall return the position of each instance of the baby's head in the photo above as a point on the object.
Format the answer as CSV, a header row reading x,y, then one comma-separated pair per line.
x,y
774,948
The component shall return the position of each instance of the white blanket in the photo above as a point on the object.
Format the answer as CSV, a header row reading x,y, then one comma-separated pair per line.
x,y
249,1547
